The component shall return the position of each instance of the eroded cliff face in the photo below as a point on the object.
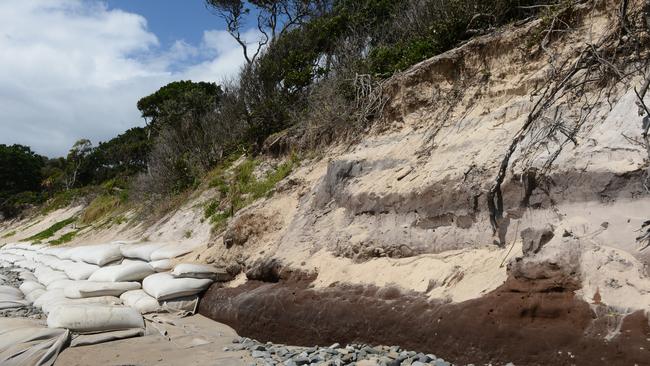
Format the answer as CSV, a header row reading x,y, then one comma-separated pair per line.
x,y
409,205
408,220
496,181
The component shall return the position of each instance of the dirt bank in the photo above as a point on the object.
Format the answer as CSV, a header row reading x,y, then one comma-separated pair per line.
x,y
515,323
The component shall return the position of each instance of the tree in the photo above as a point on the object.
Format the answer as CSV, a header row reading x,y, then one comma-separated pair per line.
x,y
154,107
20,177
20,169
274,17
76,157
123,155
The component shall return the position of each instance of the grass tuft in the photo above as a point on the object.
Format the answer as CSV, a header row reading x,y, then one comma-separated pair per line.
x,y
65,238
50,231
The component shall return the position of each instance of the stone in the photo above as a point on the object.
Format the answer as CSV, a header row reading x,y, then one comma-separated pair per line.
x,y
441,362
301,360
260,354
534,239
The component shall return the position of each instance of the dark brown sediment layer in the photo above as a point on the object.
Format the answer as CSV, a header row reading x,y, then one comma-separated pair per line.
x,y
518,322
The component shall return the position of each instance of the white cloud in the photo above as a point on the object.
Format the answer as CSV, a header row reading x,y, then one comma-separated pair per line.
x,y
73,69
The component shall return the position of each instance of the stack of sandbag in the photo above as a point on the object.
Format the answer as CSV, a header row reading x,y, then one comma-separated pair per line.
x,y
32,290
107,287
11,297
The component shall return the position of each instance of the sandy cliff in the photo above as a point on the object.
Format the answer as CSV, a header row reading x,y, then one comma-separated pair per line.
x,y
415,234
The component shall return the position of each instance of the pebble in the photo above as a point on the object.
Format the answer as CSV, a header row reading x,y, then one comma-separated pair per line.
x,y
12,278
334,355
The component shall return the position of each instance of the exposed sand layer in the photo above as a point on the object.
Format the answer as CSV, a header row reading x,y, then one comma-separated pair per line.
x,y
195,341
404,210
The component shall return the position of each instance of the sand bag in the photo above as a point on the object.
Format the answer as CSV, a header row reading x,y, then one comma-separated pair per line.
x,y
11,297
27,276
59,264
34,295
11,291
27,264
101,300
48,296
130,271
163,265
60,284
141,301
12,304
191,270
140,251
94,318
170,251
61,253
48,276
28,286
163,286
80,270
11,258
83,289
100,255
25,342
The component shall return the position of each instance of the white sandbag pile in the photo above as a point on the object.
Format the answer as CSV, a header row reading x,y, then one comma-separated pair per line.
x,y
83,289
130,271
164,286
140,251
11,297
78,287
95,318
28,286
64,301
100,255
34,295
192,270
162,265
141,301
79,270
48,296
170,251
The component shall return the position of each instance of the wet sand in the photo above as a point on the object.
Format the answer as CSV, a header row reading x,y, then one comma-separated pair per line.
x,y
178,348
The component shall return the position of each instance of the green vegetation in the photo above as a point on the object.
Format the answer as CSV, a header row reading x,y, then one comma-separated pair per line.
x,y
99,207
242,188
315,79
9,234
50,231
65,238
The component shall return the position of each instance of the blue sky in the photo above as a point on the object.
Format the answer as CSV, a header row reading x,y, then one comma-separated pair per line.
x,y
72,69
172,20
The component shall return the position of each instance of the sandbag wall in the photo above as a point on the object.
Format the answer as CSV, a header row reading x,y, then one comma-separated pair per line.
x,y
105,287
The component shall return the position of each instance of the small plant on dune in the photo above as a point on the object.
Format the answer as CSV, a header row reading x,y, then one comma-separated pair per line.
x,y
67,237
242,188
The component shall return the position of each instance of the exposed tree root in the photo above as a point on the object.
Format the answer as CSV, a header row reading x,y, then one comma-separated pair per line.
x,y
598,66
